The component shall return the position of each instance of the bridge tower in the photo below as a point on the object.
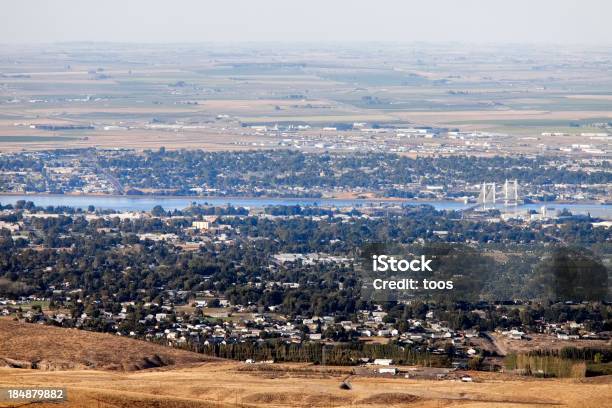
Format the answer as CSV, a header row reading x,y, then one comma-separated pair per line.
x,y
488,196
511,193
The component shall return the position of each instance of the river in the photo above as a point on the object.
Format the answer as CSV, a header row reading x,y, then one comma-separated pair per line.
x,y
146,203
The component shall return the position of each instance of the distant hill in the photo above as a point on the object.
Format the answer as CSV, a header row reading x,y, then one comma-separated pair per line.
x,y
28,345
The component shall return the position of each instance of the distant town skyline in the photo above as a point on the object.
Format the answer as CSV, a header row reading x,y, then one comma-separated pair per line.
x,y
519,21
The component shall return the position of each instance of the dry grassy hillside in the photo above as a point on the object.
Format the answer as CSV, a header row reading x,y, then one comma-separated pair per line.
x,y
111,380
26,345
226,384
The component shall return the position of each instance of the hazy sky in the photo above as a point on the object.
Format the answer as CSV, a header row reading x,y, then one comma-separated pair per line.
x,y
524,21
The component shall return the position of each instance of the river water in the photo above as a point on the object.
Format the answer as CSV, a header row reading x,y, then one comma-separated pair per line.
x,y
146,203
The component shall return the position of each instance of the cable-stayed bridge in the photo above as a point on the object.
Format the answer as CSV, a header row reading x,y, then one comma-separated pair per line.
x,y
489,198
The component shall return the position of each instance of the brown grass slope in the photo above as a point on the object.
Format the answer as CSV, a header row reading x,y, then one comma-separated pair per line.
x,y
24,345
225,384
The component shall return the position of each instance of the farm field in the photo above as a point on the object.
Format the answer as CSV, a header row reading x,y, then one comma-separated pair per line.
x,y
205,97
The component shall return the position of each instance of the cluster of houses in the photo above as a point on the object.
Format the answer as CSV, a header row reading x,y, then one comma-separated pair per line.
x,y
223,323
569,330
228,324
163,325
212,320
